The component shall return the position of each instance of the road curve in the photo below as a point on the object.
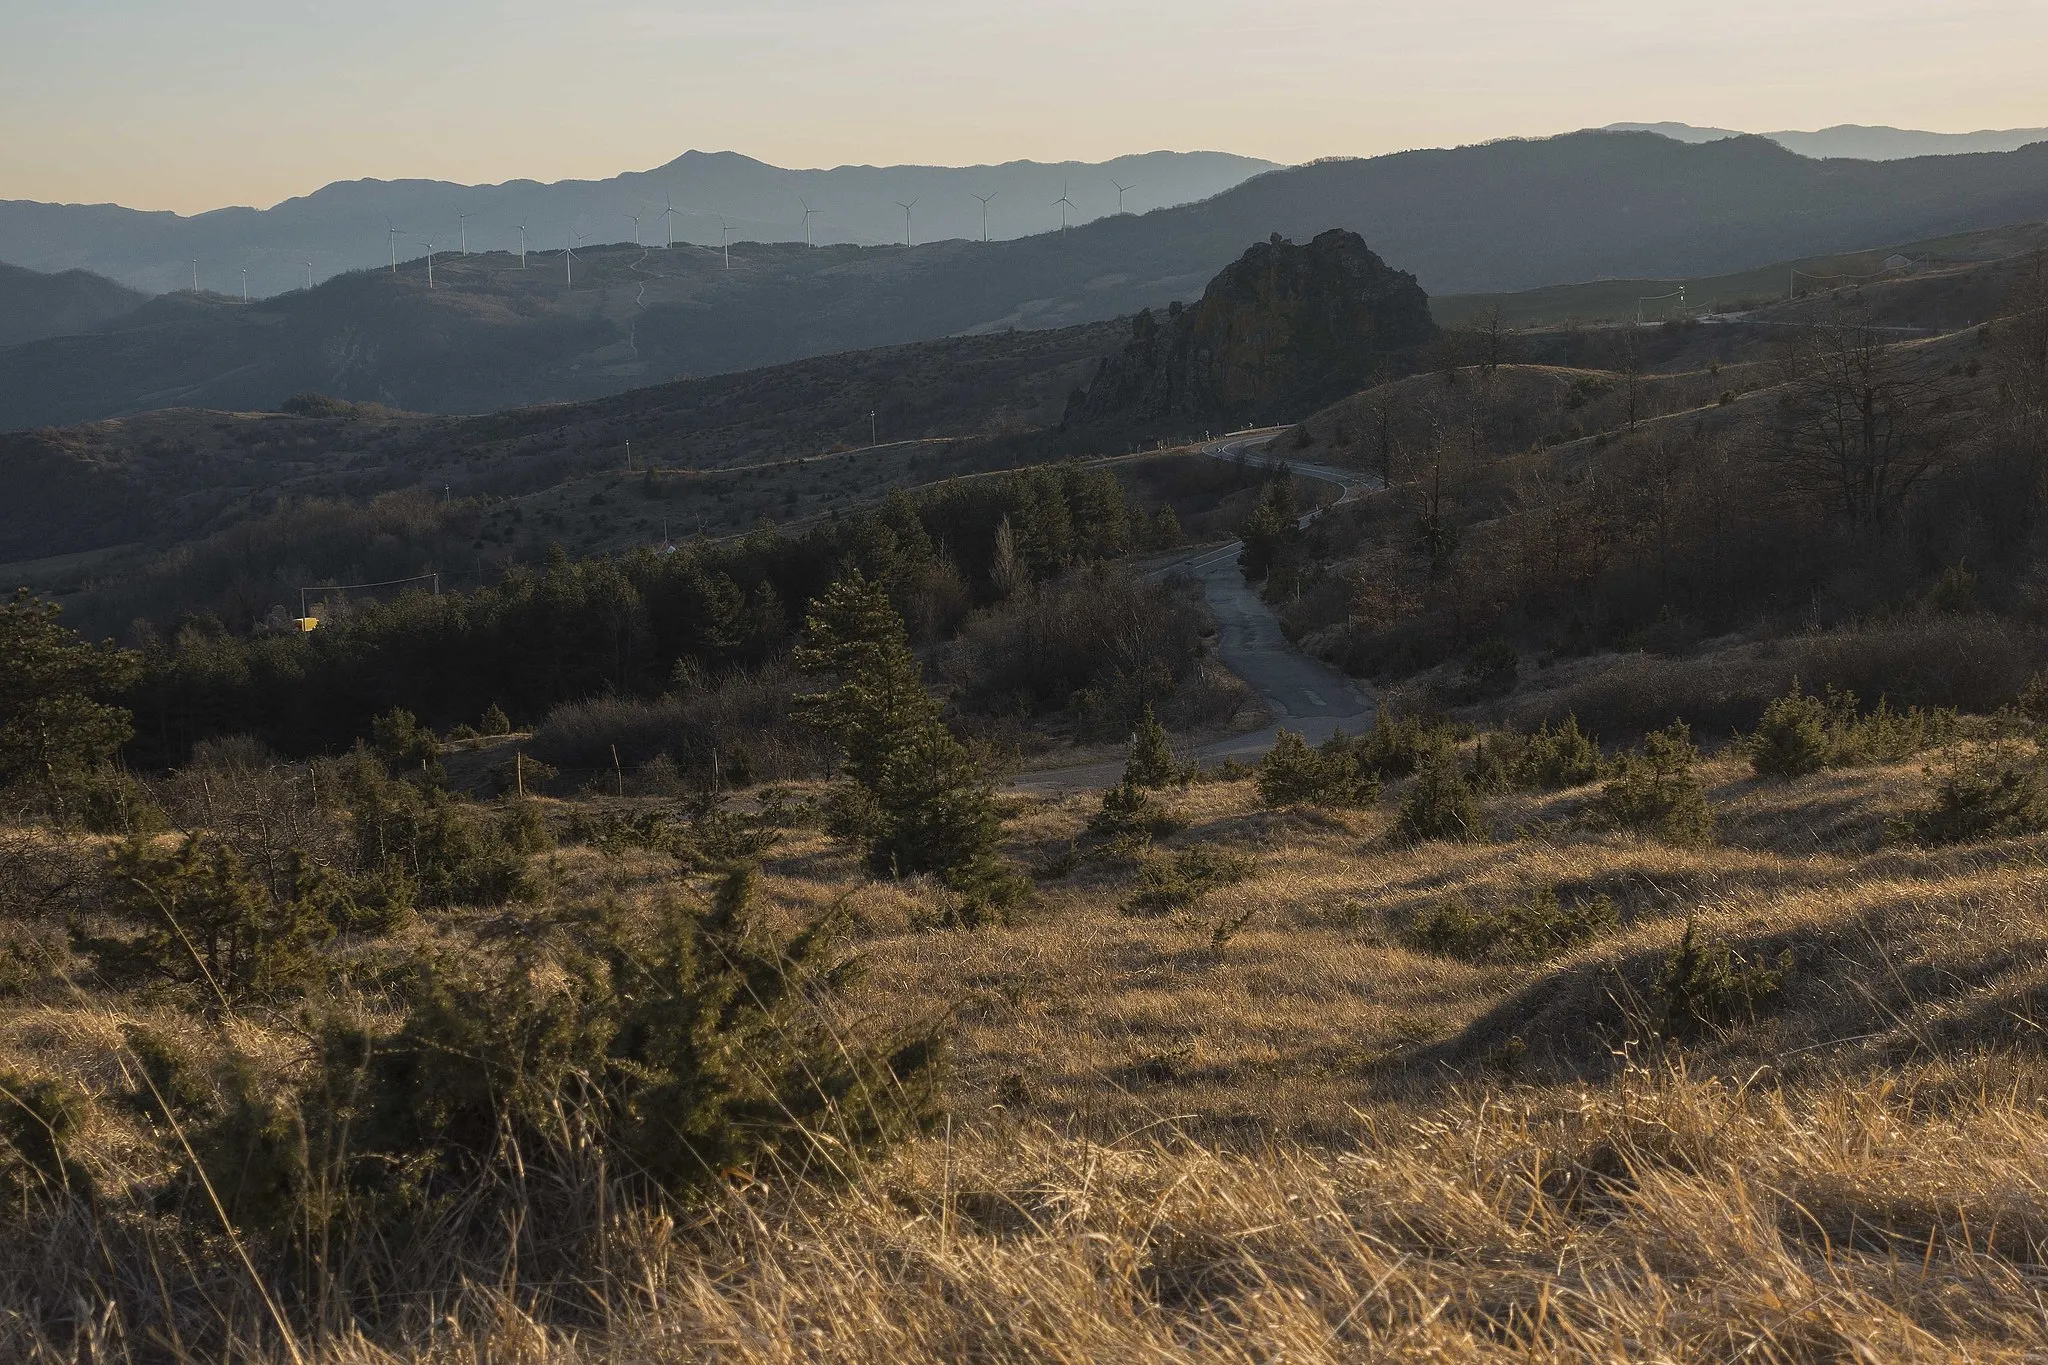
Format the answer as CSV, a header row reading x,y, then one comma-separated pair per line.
x,y
1305,695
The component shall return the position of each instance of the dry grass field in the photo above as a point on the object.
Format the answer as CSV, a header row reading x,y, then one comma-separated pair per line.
x,y
1262,1125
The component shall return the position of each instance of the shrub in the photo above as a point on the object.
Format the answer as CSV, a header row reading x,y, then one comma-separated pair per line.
x,y
1655,791
408,747
1792,741
1440,804
494,721
1802,734
1129,815
1545,760
1527,931
685,1051
206,923
1396,748
427,839
1292,773
110,801
1173,884
1993,791
38,1120
1706,986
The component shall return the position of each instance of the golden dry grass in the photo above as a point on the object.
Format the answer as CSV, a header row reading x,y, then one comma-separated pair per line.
x,y
1311,1142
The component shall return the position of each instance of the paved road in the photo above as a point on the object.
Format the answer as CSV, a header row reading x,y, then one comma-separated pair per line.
x,y
1305,695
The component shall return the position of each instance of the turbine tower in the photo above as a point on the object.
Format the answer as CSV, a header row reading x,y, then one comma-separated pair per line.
x,y
984,198
669,216
1063,204
428,243
809,213
569,261
309,274
1121,191
906,217
462,228
636,227
394,245
522,246
245,284
195,277
725,240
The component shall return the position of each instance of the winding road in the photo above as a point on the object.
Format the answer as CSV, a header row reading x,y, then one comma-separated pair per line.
x,y
1305,695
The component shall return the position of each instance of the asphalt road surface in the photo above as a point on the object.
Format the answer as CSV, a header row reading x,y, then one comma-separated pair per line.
x,y
1305,695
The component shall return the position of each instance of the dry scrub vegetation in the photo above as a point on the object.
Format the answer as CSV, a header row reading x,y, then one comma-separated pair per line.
x,y
1249,1119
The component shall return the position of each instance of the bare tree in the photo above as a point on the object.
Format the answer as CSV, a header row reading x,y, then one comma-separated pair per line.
x,y
1632,372
1380,413
1494,338
1864,421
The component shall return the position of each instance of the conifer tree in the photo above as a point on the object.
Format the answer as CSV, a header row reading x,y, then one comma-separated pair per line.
x,y
920,802
1151,762
56,725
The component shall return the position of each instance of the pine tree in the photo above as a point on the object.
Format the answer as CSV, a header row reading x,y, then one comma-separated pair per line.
x,y
1151,762
919,800
56,725
855,634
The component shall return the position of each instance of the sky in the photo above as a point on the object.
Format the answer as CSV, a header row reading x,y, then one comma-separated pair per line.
x,y
194,104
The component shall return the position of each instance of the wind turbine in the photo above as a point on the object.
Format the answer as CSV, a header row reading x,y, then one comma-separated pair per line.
x,y
1121,191
906,217
195,276
394,245
462,227
1063,204
809,213
522,246
725,240
984,198
569,260
428,243
636,227
669,216
309,274
245,284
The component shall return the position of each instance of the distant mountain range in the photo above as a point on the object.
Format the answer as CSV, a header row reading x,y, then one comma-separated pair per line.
x,y
718,196
1857,141
1501,216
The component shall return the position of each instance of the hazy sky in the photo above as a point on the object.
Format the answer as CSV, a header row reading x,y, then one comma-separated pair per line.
x,y
191,104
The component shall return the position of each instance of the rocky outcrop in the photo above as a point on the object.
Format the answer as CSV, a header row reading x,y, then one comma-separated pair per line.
x,y
1283,330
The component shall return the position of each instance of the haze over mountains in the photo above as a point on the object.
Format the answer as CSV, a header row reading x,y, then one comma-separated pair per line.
x,y
1858,141
347,225
1500,216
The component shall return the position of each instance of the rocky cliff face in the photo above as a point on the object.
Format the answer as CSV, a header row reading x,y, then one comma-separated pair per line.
x,y
1282,330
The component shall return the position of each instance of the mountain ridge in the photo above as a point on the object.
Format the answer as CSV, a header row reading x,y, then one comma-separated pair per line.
x,y
1501,216
1856,141
344,225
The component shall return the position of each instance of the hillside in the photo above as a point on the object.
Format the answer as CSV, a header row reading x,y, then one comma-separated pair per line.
x,y
1860,142
1587,206
1917,270
346,226
173,473
34,305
